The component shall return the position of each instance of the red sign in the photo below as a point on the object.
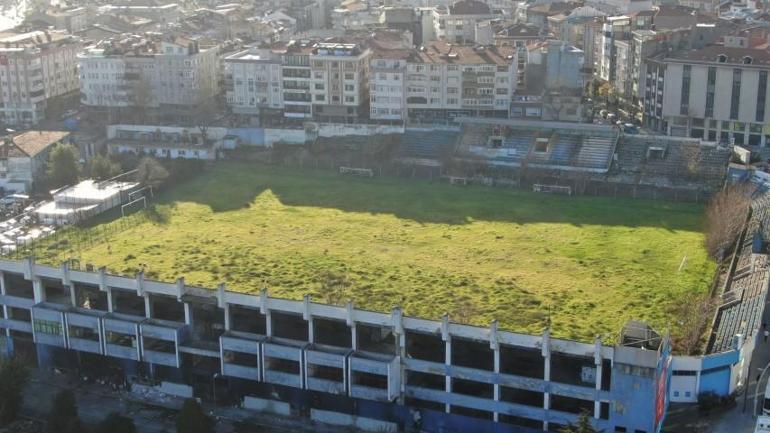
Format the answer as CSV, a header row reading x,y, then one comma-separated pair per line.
x,y
3,60
660,396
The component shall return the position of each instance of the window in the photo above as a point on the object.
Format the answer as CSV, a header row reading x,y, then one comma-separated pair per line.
x,y
684,108
761,95
349,76
710,84
736,94
48,327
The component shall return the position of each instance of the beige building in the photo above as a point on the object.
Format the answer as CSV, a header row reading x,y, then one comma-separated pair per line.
x,y
36,68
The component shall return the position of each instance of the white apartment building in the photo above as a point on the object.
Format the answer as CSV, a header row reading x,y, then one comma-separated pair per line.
x,y
717,93
35,68
457,23
254,82
154,74
387,89
443,81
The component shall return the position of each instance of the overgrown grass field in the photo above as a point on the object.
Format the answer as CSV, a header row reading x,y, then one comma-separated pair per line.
x,y
477,253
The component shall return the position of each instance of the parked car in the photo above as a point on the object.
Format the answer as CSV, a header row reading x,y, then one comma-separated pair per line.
x,y
69,113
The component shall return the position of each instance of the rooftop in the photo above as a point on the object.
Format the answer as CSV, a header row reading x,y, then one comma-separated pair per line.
x,y
723,54
31,143
469,7
442,52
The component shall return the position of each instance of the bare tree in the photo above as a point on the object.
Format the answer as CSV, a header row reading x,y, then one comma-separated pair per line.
x,y
725,215
206,109
694,312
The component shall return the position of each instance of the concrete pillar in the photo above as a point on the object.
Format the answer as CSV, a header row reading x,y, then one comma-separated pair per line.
x,y
351,322
179,288
38,290
495,346
188,314
448,378
3,291
447,357
226,311
268,323
546,352
147,307
599,368
308,316
110,301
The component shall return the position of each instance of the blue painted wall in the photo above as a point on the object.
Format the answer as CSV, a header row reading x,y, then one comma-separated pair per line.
x,y
715,380
249,136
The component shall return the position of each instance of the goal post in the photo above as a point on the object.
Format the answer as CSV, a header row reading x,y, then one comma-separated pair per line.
x,y
552,189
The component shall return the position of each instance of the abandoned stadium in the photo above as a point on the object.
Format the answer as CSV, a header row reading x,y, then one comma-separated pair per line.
x,y
387,372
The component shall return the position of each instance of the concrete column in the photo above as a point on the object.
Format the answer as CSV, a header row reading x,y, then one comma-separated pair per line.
x,y
226,311
73,295
308,316
38,290
188,314
448,378
447,357
354,337
147,307
497,385
110,301
268,323
546,351
3,292
599,368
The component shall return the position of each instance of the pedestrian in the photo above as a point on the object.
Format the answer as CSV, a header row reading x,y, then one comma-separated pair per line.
x,y
764,325
767,334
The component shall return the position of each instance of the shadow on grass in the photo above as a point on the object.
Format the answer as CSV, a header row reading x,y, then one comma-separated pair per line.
x,y
235,185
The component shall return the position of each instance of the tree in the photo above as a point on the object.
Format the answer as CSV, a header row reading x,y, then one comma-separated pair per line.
x,y
64,413
116,423
206,109
583,425
13,378
725,216
63,165
692,158
693,312
191,419
151,173
101,168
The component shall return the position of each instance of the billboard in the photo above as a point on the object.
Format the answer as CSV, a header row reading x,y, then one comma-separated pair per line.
x,y
663,378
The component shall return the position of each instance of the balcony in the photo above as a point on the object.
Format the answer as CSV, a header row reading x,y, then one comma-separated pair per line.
x,y
375,377
241,355
121,334
282,363
325,369
48,324
160,341
83,330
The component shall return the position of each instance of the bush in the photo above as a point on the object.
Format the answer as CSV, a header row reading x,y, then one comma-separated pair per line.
x,y
116,423
191,419
710,401
64,413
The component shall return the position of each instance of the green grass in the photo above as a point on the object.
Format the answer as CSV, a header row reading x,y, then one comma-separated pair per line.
x,y
477,253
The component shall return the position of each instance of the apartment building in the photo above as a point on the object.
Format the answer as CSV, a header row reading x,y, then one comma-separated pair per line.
x,y
717,93
340,85
379,367
166,77
324,80
457,22
441,81
254,83
37,69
